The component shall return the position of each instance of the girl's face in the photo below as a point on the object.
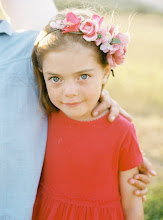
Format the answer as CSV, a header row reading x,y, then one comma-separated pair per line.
x,y
74,80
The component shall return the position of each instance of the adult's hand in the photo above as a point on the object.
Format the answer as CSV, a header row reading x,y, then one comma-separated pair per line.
x,y
142,179
106,102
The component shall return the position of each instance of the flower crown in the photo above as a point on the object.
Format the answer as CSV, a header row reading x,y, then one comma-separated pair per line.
x,y
110,40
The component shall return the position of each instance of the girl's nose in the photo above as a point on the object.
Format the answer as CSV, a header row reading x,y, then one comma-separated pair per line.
x,y
70,90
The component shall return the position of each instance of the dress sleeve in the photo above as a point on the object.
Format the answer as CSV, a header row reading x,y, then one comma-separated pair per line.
x,y
130,154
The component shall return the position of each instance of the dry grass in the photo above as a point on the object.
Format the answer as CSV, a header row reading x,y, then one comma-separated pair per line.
x,y
138,83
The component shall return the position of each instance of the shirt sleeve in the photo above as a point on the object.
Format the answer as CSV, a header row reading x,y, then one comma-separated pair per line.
x,y
130,154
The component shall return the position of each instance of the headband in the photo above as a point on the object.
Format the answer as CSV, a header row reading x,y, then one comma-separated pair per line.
x,y
109,40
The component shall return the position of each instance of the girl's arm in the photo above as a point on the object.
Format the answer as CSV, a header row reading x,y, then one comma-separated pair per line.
x,y
132,205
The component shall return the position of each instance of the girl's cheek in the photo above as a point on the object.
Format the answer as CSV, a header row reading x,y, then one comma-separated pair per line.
x,y
57,92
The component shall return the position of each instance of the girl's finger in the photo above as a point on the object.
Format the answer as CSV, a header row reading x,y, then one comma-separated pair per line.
x,y
125,114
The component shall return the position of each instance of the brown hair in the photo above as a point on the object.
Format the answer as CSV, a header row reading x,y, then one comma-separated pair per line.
x,y
53,40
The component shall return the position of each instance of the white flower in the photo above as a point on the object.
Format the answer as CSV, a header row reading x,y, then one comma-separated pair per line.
x,y
108,37
105,47
57,24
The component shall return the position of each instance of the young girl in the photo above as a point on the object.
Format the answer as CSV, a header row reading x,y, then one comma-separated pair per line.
x,y
86,169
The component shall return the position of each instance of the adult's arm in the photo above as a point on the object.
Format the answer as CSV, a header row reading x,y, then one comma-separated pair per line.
x,y
29,14
146,171
106,102
142,179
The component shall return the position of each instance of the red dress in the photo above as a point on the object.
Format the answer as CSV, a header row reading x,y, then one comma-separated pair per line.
x,y
79,180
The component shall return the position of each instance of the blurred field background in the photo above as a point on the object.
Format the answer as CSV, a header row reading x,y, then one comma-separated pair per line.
x,y
138,84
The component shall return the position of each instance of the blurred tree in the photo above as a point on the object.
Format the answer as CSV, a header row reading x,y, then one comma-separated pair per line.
x,y
153,207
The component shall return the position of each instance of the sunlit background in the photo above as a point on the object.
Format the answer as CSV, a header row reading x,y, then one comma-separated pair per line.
x,y
138,84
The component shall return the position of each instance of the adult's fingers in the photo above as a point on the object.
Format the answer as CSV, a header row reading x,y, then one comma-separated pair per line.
x,y
105,103
145,178
141,192
114,111
103,106
144,198
108,103
125,114
138,184
146,167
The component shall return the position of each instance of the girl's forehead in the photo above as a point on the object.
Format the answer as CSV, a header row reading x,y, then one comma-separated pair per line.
x,y
73,50
71,59
68,64
70,48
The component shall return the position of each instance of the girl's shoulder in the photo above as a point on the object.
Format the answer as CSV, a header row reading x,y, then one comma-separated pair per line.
x,y
122,121
122,125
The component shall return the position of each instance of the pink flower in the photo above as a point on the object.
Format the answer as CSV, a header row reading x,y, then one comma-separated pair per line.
x,y
111,60
90,28
116,56
119,49
72,23
101,36
124,38
113,31
98,19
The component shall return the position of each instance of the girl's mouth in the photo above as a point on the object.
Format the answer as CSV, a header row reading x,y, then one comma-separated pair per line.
x,y
74,104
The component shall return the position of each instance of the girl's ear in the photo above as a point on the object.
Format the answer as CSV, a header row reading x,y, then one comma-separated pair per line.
x,y
106,75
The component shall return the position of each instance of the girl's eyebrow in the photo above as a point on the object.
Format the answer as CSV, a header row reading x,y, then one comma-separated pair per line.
x,y
49,73
86,70
81,71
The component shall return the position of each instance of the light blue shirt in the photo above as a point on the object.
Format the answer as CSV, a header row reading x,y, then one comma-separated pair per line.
x,y
23,126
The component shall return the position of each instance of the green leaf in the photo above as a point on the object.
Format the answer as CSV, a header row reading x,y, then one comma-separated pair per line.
x,y
99,36
115,41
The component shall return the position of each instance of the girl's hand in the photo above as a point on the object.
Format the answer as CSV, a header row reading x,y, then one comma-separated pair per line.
x,y
106,102
142,179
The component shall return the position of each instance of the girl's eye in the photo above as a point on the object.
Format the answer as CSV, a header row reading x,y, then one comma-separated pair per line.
x,y
84,76
55,79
